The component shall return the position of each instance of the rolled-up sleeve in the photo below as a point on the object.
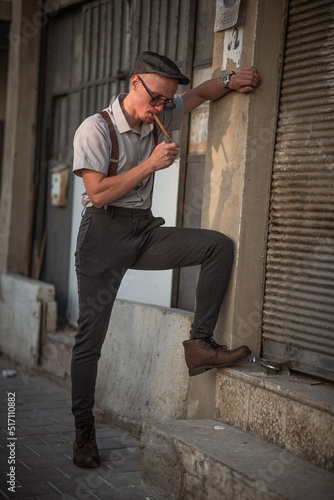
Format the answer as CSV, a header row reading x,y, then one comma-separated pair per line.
x,y
173,119
92,146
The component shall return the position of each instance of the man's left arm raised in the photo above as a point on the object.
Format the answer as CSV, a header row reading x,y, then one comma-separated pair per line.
x,y
246,80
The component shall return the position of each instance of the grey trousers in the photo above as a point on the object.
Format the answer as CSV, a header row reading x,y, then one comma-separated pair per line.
x,y
109,243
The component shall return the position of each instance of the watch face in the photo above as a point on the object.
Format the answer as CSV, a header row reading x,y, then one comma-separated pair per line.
x,y
226,81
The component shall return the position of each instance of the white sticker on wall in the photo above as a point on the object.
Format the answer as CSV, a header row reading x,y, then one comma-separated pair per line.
x,y
232,47
226,14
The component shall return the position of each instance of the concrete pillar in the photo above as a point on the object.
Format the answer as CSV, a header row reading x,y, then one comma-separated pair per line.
x,y
6,10
239,163
5,15
20,129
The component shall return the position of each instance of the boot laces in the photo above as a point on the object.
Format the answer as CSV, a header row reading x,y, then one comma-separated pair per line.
x,y
214,344
86,436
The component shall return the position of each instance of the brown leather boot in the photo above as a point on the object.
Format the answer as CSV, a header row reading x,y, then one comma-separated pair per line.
x,y
204,354
85,452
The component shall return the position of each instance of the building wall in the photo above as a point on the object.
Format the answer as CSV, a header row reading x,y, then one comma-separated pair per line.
x,y
241,136
3,83
238,166
235,196
18,160
87,59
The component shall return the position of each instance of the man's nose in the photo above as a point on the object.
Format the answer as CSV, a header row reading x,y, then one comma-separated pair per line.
x,y
159,107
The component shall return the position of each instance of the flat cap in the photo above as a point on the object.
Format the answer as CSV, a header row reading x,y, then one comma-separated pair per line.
x,y
151,62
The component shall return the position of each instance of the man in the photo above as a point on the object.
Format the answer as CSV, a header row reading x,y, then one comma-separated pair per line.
x,y
118,230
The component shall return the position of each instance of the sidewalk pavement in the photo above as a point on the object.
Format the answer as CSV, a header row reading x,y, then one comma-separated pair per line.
x,y
36,459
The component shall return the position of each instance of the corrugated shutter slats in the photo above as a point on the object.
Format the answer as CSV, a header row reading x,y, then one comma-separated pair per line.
x,y
298,314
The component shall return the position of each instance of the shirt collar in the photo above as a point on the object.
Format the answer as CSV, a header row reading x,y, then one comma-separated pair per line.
x,y
122,123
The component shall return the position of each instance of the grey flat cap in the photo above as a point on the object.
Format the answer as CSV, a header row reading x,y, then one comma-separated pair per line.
x,y
151,62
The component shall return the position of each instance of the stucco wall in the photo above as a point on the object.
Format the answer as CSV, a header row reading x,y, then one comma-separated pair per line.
x,y
27,311
19,148
241,138
142,372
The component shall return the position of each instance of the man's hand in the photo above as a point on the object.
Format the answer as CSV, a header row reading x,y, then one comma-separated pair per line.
x,y
164,154
245,81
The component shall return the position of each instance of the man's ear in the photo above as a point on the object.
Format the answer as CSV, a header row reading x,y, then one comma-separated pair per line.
x,y
135,82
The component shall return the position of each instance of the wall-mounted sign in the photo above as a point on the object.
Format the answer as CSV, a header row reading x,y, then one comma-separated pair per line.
x,y
233,39
59,181
227,12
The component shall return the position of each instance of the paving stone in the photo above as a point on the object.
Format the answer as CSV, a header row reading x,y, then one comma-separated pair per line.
x,y
41,475
57,428
45,433
123,494
48,460
54,439
31,431
71,471
32,422
63,419
107,432
109,444
124,460
45,449
29,440
31,490
123,479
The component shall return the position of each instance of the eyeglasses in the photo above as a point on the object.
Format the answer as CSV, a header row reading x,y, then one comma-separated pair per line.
x,y
157,101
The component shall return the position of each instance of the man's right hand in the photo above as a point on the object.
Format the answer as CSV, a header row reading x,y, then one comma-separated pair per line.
x,y
164,155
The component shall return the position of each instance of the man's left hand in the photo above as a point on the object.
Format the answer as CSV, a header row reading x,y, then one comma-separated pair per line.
x,y
245,81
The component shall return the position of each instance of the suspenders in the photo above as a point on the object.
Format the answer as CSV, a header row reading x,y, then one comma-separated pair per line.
x,y
114,143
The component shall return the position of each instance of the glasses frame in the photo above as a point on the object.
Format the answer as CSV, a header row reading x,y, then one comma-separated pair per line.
x,y
169,104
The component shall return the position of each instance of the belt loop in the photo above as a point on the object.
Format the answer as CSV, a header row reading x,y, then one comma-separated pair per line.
x,y
111,212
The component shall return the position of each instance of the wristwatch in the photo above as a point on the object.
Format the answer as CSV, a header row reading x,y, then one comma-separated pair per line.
x,y
227,79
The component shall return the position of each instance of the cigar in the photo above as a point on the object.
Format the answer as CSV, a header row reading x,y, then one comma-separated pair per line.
x,y
162,128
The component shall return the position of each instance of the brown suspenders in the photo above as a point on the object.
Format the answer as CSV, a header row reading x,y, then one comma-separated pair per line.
x,y
114,143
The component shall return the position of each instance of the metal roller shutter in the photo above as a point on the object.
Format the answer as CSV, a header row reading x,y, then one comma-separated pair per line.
x,y
298,314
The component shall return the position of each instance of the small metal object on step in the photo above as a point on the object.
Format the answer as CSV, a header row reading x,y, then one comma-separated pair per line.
x,y
9,373
266,364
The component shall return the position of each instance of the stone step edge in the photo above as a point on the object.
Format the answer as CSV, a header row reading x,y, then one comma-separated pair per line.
x,y
295,417
210,459
62,338
286,386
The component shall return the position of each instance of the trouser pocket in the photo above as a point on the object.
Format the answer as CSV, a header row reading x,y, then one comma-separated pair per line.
x,y
83,230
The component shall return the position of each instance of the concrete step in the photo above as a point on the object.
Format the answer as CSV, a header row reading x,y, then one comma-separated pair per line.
x,y
291,410
208,459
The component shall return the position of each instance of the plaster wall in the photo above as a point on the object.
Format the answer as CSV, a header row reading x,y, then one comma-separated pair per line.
x,y
238,168
237,178
6,10
3,83
27,311
142,373
22,83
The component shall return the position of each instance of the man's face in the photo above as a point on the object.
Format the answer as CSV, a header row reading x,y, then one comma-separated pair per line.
x,y
158,86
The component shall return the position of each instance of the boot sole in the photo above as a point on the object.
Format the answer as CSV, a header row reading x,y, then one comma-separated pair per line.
x,y
205,368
